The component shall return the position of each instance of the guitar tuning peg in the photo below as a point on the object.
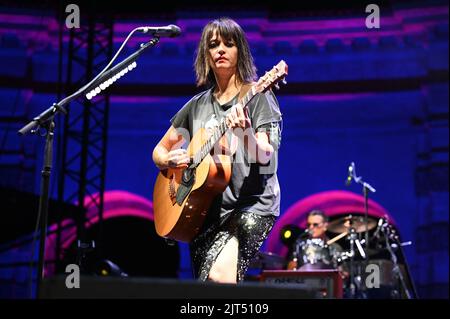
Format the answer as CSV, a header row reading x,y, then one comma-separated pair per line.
x,y
277,86
284,81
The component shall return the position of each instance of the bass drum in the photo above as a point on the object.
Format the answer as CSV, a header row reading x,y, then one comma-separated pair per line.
x,y
379,278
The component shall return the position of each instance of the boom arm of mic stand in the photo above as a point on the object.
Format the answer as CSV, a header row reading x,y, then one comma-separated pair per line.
x,y
369,187
59,107
46,119
120,66
366,188
42,118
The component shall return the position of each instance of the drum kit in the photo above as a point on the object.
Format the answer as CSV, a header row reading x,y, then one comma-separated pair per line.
x,y
380,249
347,251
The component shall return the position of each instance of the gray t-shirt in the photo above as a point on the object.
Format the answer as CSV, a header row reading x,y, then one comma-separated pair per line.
x,y
253,187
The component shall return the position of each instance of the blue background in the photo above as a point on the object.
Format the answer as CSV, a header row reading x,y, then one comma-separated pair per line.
x,y
378,97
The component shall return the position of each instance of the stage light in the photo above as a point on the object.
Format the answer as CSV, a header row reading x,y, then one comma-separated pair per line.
x,y
106,83
289,234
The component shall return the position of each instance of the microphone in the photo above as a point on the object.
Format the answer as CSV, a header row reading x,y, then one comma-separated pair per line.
x,y
170,31
351,168
306,232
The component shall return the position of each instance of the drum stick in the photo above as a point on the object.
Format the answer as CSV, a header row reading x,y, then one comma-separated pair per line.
x,y
336,238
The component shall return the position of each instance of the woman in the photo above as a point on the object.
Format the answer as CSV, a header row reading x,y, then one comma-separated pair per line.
x,y
242,216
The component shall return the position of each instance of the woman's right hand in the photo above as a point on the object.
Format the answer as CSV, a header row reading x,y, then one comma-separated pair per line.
x,y
178,158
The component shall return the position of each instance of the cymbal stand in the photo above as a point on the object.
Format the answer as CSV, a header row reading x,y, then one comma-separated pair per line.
x,y
352,237
354,241
389,234
366,189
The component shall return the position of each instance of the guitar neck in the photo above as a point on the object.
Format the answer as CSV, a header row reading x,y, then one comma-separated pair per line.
x,y
220,130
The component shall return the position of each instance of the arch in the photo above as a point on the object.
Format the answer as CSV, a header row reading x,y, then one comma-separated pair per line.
x,y
117,203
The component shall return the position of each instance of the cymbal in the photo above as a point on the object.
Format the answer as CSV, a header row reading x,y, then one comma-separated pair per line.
x,y
343,224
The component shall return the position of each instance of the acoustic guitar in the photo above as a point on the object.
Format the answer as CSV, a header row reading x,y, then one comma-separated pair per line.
x,y
182,196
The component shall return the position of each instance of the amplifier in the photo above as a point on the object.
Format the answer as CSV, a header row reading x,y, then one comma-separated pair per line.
x,y
323,283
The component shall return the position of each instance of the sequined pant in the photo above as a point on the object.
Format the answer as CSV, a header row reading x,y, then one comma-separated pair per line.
x,y
249,229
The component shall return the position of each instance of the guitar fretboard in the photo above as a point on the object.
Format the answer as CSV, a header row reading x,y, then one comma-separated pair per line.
x,y
220,130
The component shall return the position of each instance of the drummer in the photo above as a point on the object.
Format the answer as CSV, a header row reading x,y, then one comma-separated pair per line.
x,y
313,252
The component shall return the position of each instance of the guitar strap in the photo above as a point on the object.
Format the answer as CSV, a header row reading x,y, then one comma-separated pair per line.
x,y
244,90
188,178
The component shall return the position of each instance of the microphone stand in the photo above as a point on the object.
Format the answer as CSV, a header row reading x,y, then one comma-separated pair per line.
x,y
351,237
396,268
366,189
402,254
45,120
397,245
354,241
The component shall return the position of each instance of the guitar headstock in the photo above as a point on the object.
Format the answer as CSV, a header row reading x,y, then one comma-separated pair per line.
x,y
272,77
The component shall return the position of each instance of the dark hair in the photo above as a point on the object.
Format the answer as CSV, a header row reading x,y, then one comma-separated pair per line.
x,y
318,212
229,30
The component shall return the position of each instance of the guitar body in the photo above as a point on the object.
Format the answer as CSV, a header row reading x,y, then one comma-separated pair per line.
x,y
183,222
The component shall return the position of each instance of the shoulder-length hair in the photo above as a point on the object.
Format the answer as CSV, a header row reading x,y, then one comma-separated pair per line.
x,y
229,30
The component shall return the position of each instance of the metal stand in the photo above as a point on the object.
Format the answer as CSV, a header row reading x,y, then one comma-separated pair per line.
x,y
366,188
389,234
45,120
352,237
354,241
49,126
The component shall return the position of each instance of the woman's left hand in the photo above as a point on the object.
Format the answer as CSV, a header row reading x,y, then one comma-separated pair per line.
x,y
238,117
